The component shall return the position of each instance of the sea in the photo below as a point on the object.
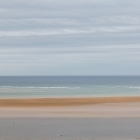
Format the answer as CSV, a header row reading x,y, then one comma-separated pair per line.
x,y
69,86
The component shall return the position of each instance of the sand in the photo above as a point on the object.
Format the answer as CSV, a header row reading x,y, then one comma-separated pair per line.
x,y
69,128
71,107
100,118
104,110
47,102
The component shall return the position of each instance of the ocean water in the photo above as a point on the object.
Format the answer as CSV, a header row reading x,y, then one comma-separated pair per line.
x,y
71,86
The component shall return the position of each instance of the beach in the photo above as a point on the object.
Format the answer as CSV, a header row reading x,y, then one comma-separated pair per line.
x,y
70,118
63,101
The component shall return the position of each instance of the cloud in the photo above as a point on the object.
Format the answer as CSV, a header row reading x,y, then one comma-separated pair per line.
x,y
55,37
71,31
67,9
90,54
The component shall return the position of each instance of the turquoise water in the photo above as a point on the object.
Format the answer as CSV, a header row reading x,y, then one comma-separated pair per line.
x,y
50,86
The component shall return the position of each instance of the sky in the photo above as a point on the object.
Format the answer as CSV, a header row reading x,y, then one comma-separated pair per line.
x,y
69,37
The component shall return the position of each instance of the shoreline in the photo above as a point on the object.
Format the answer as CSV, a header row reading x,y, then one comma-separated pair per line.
x,y
64,101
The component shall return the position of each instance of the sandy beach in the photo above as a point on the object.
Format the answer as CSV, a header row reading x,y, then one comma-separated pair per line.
x,y
100,118
128,106
69,101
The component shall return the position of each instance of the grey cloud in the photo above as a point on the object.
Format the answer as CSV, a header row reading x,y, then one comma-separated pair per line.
x,y
78,54
97,30
65,37
80,8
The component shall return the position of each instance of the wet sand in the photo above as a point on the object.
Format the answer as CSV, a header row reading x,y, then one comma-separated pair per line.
x,y
69,128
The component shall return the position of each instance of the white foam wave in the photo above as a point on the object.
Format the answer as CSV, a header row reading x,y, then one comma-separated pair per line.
x,y
18,87
135,87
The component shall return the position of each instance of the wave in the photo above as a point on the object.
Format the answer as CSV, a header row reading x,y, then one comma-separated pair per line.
x,y
20,87
135,87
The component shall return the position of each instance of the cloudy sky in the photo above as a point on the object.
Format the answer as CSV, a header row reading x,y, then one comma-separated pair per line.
x,y
69,37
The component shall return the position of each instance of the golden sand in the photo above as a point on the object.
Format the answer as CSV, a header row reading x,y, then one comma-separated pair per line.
x,y
48,102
